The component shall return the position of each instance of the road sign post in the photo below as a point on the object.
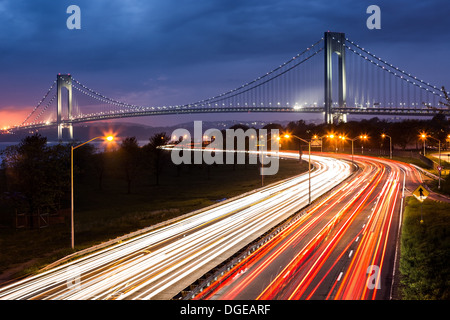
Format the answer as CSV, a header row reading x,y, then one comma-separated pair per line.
x,y
421,211
421,194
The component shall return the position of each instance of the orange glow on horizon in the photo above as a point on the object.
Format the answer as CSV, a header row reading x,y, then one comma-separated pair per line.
x,y
10,118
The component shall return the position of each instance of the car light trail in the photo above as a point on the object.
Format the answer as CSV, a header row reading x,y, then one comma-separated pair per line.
x,y
300,234
155,264
341,249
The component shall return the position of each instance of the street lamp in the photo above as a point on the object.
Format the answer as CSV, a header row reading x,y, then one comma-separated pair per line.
x,y
108,138
425,136
332,136
448,154
390,144
362,137
343,140
309,161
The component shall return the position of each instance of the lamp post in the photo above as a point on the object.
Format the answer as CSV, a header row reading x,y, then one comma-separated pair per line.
x,y
353,140
343,145
390,144
332,136
309,163
362,137
439,141
108,138
424,138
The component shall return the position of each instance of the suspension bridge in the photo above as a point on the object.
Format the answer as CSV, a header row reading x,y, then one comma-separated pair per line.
x,y
365,85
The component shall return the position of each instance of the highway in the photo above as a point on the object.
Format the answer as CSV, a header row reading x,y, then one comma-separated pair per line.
x,y
160,263
344,248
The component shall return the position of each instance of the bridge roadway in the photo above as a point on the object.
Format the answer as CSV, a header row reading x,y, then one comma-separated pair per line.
x,y
155,111
160,263
328,253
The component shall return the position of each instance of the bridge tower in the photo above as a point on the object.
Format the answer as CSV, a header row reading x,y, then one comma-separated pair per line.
x,y
64,81
334,42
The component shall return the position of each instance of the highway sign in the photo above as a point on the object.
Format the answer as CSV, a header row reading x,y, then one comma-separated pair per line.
x,y
316,142
421,193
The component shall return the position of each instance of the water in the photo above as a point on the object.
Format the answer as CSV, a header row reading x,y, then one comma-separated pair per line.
x,y
4,145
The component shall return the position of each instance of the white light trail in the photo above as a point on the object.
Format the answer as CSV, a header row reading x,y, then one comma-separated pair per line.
x,y
147,265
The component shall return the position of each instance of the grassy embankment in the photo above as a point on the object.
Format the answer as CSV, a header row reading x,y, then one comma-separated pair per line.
x,y
445,182
103,214
425,251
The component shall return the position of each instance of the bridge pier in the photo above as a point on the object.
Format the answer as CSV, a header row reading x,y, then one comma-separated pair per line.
x,y
64,81
334,42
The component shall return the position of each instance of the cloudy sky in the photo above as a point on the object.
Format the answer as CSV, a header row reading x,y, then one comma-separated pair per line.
x,y
162,52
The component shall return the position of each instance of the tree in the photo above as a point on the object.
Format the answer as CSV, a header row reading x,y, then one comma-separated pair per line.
x,y
156,154
439,127
82,161
99,164
129,159
404,133
39,174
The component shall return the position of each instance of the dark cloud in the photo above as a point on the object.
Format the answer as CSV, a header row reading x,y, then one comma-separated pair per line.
x,y
191,48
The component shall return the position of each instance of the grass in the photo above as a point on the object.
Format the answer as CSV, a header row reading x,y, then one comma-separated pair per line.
x,y
105,214
410,160
425,251
445,185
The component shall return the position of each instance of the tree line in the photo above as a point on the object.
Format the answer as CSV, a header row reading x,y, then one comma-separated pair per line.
x,y
405,134
35,176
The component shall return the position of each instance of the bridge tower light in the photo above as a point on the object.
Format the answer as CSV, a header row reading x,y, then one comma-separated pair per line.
x,y
64,81
334,42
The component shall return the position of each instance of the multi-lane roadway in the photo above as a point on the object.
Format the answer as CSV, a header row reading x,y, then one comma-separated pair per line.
x,y
344,248
160,263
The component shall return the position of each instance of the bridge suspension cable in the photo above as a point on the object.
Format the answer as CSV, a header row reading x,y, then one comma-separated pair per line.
x,y
372,84
96,95
39,104
271,75
231,96
415,81
390,87
49,103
